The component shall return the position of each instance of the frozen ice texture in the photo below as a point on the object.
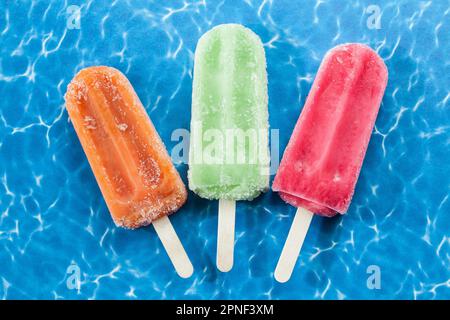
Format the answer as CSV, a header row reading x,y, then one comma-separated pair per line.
x,y
133,170
229,155
323,159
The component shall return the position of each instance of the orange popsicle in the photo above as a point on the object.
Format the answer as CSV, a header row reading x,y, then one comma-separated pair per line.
x,y
133,169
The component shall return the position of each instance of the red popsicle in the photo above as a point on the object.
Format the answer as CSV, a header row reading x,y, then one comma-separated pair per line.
x,y
322,161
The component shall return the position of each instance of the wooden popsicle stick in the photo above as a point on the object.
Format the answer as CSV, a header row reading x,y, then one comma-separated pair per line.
x,y
173,246
293,245
225,235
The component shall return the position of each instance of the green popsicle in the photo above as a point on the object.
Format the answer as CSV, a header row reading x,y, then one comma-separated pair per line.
x,y
229,153
229,156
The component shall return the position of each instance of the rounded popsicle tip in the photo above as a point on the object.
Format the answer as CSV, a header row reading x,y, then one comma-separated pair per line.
x,y
223,29
95,71
228,27
77,88
282,276
186,271
224,266
353,47
362,50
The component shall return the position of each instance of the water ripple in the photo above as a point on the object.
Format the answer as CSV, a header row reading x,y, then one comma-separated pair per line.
x,y
52,215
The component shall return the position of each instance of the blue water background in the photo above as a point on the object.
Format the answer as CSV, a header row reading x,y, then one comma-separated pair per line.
x,y
52,215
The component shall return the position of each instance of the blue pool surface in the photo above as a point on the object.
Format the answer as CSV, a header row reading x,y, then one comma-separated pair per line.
x,y
54,222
